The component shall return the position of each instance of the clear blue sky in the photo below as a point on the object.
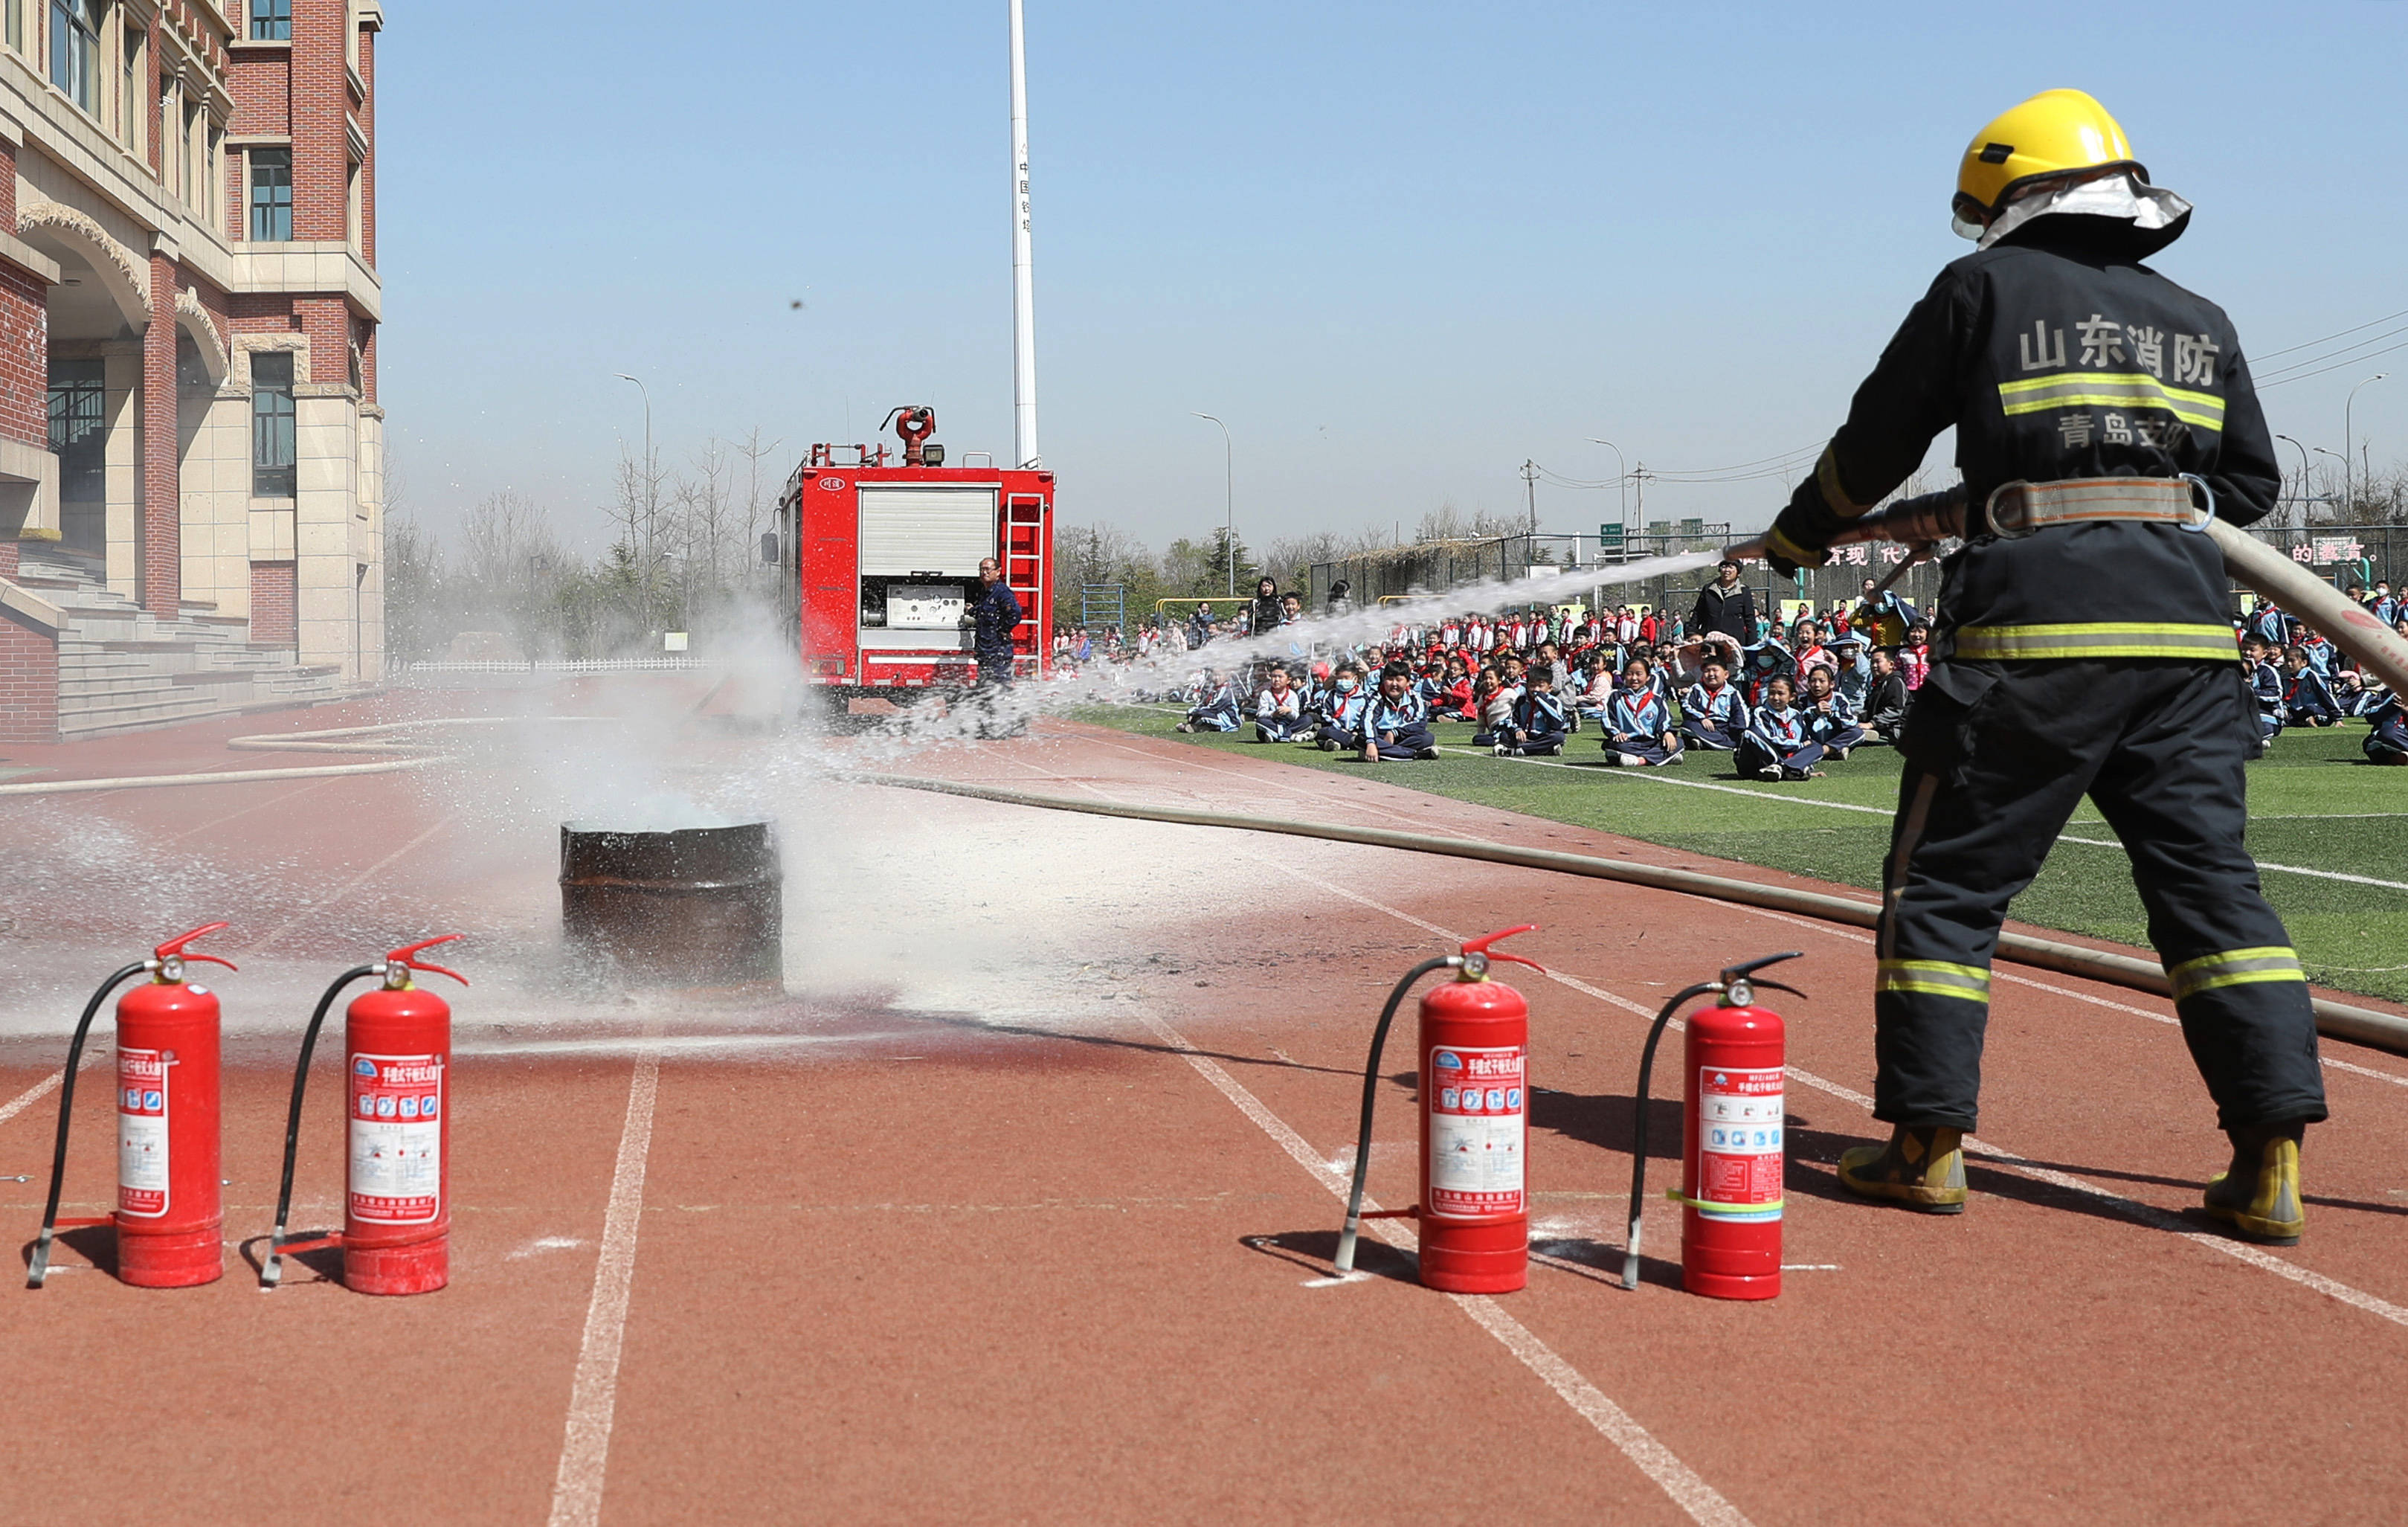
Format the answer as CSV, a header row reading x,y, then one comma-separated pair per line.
x,y
1399,247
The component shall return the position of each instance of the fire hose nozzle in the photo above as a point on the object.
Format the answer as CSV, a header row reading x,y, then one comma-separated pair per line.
x,y
402,960
171,957
1476,956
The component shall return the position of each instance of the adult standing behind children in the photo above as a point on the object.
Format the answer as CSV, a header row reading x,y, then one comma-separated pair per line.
x,y
1726,605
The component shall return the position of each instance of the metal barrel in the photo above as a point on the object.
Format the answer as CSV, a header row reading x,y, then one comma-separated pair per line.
x,y
690,907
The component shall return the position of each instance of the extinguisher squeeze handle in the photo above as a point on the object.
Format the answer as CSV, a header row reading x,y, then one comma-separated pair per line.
x,y
40,1267
271,1266
1480,946
402,957
174,948
1347,1237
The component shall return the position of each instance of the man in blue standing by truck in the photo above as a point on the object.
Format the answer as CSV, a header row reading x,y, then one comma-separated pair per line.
x,y
994,616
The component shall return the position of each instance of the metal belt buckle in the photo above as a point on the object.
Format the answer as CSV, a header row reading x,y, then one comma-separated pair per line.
x,y
1990,514
2206,512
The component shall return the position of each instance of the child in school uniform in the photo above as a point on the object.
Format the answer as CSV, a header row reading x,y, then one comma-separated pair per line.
x,y
1341,723
1218,711
1279,710
1395,728
2306,701
1779,744
1638,729
2265,685
1542,722
1714,715
2387,743
1830,720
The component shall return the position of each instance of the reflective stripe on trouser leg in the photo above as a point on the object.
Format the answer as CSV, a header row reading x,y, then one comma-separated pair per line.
x,y
1966,842
2174,790
2234,967
1934,978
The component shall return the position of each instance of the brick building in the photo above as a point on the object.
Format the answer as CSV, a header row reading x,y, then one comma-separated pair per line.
x,y
191,450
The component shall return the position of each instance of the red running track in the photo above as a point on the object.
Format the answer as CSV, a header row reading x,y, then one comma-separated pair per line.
x,y
1064,1256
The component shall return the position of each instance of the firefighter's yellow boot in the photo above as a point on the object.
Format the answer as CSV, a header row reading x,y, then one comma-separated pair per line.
x,y
1923,1168
2258,1195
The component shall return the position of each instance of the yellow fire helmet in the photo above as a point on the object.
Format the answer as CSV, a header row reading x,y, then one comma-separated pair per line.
x,y
2055,133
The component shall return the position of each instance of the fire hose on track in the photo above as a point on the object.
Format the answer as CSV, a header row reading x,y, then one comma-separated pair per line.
x,y
2334,1020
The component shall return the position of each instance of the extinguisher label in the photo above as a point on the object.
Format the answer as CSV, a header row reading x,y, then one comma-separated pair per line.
x,y
1739,1143
1479,1124
142,1133
396,1138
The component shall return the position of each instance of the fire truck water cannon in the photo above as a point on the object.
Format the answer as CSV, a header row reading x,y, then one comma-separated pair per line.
x,y
397,1235
1731,1151
168,1213
914,423
1474,1050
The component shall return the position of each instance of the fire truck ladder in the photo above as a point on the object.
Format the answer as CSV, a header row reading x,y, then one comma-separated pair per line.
x,y
1024,568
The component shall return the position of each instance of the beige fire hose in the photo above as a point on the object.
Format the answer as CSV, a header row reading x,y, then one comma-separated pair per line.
x,y
1935,517
2335,1020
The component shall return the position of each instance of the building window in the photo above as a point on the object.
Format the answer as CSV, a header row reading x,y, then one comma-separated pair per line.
x,y
271,21
131,92
75,50
271,195
80,430
271,424
17,24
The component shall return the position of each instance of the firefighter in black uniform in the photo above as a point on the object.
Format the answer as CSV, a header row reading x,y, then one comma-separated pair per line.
x,y
2084,645
993,617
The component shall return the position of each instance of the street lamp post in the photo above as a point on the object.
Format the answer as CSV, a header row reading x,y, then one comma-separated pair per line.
x,y
2345,407
648,507
1622,481
1228,501
2303,474
651,506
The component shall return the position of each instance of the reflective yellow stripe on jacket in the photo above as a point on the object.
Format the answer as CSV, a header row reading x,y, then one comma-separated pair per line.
x,y
2111,390
2233,968
1934,978
2096,639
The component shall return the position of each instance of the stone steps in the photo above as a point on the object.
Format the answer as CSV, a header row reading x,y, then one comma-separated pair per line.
x,y
124,669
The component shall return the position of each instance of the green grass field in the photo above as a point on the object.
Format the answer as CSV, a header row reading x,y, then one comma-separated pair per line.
x,y
2314,805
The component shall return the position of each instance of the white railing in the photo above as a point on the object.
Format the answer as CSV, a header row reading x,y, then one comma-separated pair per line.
x,y
555,665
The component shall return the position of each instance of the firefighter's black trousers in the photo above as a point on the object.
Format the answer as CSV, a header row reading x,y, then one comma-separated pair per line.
x,y
1998,756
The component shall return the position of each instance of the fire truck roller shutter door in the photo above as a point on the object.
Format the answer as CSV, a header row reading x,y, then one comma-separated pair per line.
x,y
913,530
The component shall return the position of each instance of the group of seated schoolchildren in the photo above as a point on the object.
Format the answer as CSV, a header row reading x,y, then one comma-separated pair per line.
x,y
2298,683
1533,707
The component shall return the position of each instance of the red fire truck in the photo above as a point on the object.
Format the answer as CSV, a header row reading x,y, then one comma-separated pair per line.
x,y
879,561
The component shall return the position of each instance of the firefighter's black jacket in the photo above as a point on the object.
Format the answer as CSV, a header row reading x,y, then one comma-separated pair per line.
x,y
2057,355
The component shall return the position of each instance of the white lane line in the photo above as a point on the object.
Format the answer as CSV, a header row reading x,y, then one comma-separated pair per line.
x,y
2132,1209
1687,1490
593,1396
1655,776
314,908
2262,864
31,1095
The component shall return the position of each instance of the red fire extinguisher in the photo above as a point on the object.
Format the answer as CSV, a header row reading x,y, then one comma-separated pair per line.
x,y
1731,1148
397,1235
170,1225
1474,1056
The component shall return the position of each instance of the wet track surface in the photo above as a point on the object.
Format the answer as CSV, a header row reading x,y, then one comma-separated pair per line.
x,y
1020,1204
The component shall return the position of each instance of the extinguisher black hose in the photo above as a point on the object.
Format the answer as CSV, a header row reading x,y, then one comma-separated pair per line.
x,y
40,1267
271,1267
1639,1142
1372,1096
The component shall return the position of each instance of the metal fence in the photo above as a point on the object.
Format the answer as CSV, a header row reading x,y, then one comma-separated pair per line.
x,y
556,665
2348,555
